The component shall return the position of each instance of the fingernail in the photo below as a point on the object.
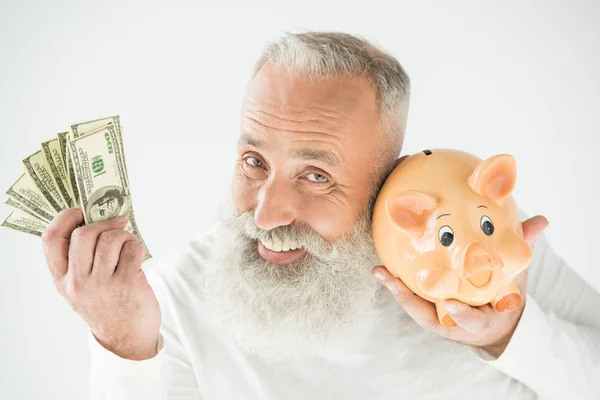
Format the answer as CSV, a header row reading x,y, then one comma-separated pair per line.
x,y
379,276
120,219
451,308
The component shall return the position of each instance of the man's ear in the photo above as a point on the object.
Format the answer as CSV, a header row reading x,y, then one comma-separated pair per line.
x,y
411,210
494,178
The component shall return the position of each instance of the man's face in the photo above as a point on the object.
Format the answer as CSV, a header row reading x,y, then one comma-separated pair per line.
x,y
105,209
306,155
303,180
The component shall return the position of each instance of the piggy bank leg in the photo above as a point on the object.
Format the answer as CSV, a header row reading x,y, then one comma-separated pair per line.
x,y
508,298
445,319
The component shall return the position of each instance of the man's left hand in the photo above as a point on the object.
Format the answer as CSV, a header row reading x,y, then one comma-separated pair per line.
x,y
482,326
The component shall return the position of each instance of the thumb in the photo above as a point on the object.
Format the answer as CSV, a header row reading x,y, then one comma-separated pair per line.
x,y
468,318
533,227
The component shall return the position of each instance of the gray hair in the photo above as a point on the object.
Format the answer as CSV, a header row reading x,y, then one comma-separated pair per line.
x,y
321,55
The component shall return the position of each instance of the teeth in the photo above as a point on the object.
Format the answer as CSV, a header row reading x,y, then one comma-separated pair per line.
x,y
278,245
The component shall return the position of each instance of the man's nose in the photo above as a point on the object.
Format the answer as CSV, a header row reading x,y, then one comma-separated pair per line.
x,y
480,256
275,205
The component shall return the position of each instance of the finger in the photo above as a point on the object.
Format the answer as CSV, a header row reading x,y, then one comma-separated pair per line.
x,y
108,251
56,239
387,279
533,227
419,309
131,258
83,244
471,319
486,308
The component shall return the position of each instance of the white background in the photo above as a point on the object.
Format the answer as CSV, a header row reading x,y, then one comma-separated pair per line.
x,y
519,77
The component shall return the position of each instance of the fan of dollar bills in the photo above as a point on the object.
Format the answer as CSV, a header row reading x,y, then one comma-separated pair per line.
x,y
82,167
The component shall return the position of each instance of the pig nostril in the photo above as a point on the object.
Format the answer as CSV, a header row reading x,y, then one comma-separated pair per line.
x,y
480,256
480,278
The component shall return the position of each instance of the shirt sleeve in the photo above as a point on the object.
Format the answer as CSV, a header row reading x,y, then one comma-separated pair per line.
x,y
167,376
555,349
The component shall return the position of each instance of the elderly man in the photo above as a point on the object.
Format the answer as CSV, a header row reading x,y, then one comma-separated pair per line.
x,y
284,298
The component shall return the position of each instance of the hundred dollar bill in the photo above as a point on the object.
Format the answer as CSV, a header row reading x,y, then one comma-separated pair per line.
x,y
51,150
83,128
25,192
16,206
24,223
63,138
70,173
62,143
100,173
79,129
38,170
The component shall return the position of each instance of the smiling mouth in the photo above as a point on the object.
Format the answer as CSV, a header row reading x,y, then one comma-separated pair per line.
x,y
480,278
279,256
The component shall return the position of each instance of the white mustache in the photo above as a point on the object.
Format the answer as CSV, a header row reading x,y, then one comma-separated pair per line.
x,y
310,240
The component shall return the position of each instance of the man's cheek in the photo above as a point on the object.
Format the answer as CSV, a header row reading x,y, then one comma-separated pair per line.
x,y
328,219
244,195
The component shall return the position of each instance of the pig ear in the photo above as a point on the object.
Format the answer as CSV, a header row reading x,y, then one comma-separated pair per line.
x,y
410,211
495,178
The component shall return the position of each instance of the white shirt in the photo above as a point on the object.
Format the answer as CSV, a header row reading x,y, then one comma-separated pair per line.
x,y
554,353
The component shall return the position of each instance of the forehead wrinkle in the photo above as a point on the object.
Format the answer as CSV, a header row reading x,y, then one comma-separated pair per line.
x,y
294,118
321,135
311,154
265,128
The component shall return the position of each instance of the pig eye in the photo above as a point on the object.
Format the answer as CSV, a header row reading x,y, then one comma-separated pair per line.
x,y
446,235
486,225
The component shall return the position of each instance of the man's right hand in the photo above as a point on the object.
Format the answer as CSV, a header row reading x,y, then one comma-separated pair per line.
x,y
97,268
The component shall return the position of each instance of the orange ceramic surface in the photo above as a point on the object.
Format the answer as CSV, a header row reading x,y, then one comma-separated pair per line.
x,y
445,222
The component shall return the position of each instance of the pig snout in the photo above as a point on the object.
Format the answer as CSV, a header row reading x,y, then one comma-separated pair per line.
x,y
479,261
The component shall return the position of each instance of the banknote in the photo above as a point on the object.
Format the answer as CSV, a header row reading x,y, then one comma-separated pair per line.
x,y
25,192
24,223
62,144
83,166
79,129
102,182
38,170
54,160
70,172
83,128
16,206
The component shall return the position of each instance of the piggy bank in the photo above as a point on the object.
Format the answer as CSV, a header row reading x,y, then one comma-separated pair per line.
x,y
446,224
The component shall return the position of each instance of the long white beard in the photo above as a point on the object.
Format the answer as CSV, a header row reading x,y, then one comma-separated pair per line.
x,y
321,306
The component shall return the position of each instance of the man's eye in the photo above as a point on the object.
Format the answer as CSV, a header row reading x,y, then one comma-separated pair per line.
x,y
102,213
314,177
253,161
